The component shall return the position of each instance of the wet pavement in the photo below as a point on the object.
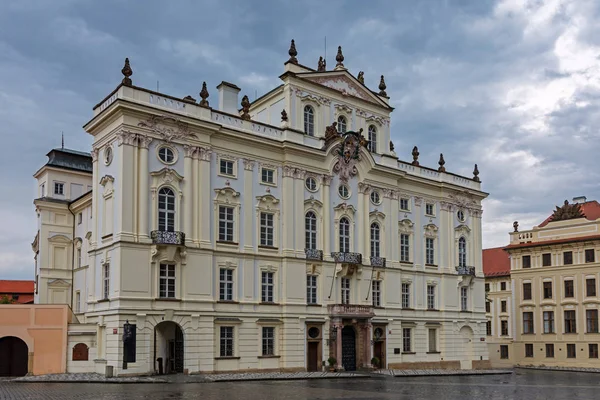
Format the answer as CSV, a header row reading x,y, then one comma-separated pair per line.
x,y
523,384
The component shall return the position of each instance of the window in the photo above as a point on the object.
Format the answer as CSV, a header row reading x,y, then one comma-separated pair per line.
x,y
404,204
376,293
166,155
548,321
526,261
432,340
549,350
226,284
569,289
593,350
502,285
571,350
78,258
430,297
547,290
311,184
570,322
503,306
344,192
591,317
406,340
568,257
429,251
546,259
311,289
487,287
488,328
226,167
268,341
487,306
462,252
105,281
167,281
375,245
79,218
266,229
404,248
309,121
267,287
77,302
310,224
504,328
528,349
344,235
372,146
527,322
590,256
464,292
226,224
166,210
345,290
504,351
527,291
267,175
429,209
375,197
406,295
226,339
590,287
341,124
59,188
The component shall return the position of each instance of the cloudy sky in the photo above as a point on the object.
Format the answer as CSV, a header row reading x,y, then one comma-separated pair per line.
x,y
508,84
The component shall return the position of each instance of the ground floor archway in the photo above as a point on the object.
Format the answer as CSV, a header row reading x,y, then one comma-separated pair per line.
x,y
14,356
168,348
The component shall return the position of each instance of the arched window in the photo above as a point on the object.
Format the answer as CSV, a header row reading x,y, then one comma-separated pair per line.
x,y
166,210
309,121
341,124
375,244
344,235
372,147
311,230
462,252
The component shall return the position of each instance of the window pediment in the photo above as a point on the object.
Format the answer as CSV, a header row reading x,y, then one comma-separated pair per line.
x,y
345,208
166,176
376,216
312,203
267,202
227,195
430,230
405,226
59,239
462,229
107,182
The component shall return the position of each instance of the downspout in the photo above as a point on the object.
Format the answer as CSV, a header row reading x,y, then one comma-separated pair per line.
x,y
72,258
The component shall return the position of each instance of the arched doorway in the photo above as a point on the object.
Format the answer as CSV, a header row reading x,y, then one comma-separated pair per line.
x,y
466,337
169,347
14,356
349,348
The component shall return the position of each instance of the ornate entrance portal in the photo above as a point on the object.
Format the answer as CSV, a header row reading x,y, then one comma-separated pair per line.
x,y
168,342
348,348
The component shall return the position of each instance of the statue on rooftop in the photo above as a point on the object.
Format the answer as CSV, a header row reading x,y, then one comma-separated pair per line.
x,y
567,211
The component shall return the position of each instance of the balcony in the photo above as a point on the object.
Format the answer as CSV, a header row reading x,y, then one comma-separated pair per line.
x,y
314,254
167,237
350,311
378,262
464,270
347,258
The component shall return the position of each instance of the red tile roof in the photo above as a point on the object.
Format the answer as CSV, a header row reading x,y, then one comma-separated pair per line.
x,y
496,262
591,210
16,287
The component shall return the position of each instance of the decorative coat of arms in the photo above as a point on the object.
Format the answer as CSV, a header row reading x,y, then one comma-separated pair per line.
x,y
348,153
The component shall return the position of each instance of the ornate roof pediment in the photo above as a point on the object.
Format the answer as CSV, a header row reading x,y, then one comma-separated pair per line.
x,y
567,211
345,83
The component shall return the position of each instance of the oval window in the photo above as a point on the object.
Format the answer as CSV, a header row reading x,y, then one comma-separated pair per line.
x,y
344,192
311,184
166,155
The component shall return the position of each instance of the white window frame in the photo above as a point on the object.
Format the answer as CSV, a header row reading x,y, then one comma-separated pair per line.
x,y
309,120
61,185
345,235
267,287
464,298
405,248
376,293
341,124
224,160
166,216
431,305
226,284
226,341
167,278
407,340
429,251
372,145
267,229
432,206
375,231
462,252
268,341
405,295
78,257
77,302
310,230
163,150
345,290
268,169
226,223
407,203
105,281
312,293
432,345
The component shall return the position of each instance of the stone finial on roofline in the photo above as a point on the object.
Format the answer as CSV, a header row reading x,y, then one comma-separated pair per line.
x,y
127,72
245,108
293,53
339,58
442,162
204,95
382,87
476,174
415,154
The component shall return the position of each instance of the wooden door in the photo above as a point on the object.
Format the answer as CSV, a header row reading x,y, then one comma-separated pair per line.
x,y
313,353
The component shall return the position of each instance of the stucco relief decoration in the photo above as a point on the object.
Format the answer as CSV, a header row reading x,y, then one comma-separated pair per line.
x,y
345,208
311,96
348,153
288,172
465,201
461,230
227,195
343,85
267,202
94,154
300,173
567,211
405,226
160,124
166,176
391,194
430,231
248,164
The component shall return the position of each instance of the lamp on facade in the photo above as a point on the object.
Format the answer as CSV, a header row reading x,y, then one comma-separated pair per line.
x,y
127,334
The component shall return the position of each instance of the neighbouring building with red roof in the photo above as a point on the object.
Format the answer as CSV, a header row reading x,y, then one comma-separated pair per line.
x,y
18,292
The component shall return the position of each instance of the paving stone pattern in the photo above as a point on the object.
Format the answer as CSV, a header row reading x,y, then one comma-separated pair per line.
x,y
566,369
441,372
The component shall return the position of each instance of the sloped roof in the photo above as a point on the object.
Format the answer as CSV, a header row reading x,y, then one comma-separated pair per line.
x,y
70,159
496,262
16,287
591,210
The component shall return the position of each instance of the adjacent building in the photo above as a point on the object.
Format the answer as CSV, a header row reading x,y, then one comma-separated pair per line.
x,y
16,292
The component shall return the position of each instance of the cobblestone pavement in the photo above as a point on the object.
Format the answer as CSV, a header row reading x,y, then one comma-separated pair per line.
x,y
564,369
441,372
524,384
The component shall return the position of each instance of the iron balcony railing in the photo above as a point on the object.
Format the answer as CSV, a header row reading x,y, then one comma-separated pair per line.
x,y
314,254
168,237
378,262
347,258
465,270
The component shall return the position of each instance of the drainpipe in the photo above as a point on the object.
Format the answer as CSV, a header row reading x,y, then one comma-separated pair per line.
x,y
72,256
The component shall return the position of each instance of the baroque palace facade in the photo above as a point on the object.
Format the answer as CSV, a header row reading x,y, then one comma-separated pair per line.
x,y
271,237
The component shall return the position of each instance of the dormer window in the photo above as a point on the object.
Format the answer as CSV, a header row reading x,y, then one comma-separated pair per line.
x,y
372,146
309,121
341,124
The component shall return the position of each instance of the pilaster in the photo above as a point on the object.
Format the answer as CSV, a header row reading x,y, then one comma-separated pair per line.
x,y
95,191
144,191
393,244
299,176
327,222
196,200
205,156
419,255
358,228
126,187
248,204
288,211
188,193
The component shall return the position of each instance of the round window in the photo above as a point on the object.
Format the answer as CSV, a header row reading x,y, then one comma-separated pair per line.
x,y
311,184
313,332
375,197
166,155
461,215
344,192
108,155
378,333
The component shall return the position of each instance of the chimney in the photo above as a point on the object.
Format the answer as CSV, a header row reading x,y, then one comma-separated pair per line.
x,y
228,97
579,199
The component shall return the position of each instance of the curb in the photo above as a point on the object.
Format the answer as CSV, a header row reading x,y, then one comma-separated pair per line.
x,y
587,371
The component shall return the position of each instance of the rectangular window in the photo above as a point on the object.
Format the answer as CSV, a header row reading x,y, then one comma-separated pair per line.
x,y
106,281
129,347
226,339
404,248
376,293
429,251
547,290
528,349
590,287
571,350
345,290
590,256
527,291
268,341
226,167
267,287
488,328
504,351
167,281
78,258
429,209
546,259
487,287
432,340
311,289
267,175
226,284
79,218
591,317
569,289
266,229
570,322
549,350
77,302
503,306
487,307
430,297
526,261
502,285
59,188
593,350
404,204
464,298
527,322
548,321
406,340
504,328
406,295
568,257
226,224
